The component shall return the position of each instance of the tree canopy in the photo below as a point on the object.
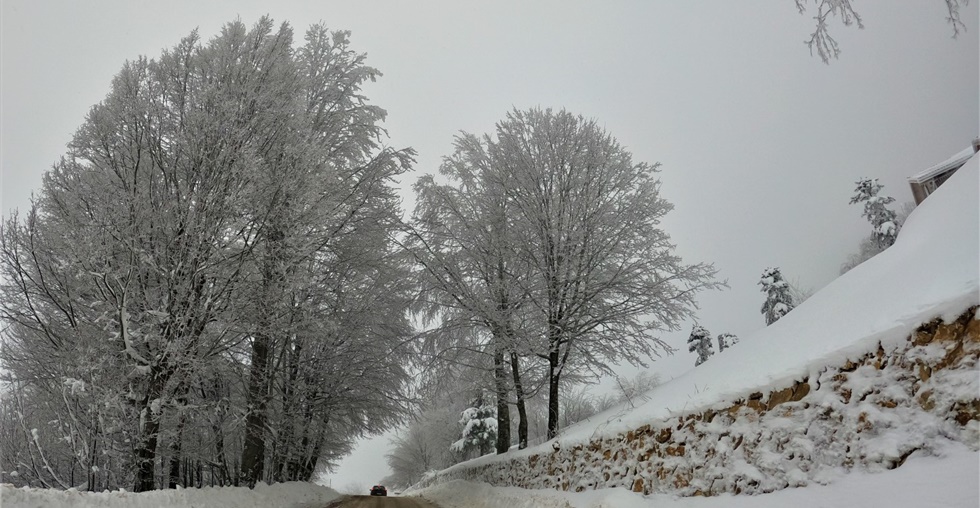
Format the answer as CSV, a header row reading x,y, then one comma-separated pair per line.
x,y
210,270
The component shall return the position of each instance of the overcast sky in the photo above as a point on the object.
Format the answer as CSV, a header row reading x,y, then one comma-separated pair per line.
x,y
760,142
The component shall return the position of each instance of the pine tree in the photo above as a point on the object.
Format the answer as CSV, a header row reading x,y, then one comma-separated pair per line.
x,y
700,342
479,428
883,221
726,340
779,298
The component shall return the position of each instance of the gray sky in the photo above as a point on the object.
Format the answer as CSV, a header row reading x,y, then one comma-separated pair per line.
x,y
760,142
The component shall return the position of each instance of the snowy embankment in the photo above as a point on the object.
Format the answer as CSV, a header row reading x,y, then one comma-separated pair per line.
x,y
948,481
858,376
280,495
933,270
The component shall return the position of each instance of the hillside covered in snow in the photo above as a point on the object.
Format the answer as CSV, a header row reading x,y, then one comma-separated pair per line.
x,y
877,368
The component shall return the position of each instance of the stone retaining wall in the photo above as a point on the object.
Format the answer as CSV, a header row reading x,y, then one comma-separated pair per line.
x,y
872,412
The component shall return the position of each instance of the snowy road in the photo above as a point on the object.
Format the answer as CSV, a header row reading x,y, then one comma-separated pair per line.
x,y
382,502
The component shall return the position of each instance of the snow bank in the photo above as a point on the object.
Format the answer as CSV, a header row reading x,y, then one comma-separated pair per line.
x,y
285,495
950,481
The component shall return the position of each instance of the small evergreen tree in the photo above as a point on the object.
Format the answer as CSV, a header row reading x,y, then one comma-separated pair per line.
x,y
479,428
726,340
700,342
779,297
884,226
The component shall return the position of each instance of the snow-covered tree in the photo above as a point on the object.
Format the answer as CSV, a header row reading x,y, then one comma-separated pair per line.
x,y
469,272
726,340
869,248
604,276
700,342
779,297
479,429
884,224
209,274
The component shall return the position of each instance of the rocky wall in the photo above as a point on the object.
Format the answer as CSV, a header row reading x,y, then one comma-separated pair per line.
x,y
872,412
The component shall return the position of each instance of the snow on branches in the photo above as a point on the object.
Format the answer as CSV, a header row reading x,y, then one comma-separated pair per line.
x,y
779,298
700,342
884,226
726,340
479,429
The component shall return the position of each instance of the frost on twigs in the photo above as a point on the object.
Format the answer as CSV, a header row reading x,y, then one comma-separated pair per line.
x,y
826,46
821,40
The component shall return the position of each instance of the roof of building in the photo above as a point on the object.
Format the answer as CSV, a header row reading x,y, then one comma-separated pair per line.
x,y
953,162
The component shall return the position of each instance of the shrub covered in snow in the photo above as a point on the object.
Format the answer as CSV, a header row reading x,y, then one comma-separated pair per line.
x,y
700,342
726,340
779,298
479,429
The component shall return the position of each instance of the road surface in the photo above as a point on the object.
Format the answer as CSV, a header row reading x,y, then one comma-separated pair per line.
x,y
381,502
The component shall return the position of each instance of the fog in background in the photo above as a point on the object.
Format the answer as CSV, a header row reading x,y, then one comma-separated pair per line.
x,y
760,142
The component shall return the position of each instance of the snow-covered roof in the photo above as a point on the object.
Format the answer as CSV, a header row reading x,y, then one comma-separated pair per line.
x,y
951,163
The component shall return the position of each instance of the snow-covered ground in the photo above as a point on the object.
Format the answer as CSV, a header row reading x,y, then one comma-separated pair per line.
x,y
284,495
951,481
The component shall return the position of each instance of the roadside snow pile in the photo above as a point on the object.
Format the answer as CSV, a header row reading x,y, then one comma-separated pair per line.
x,y
284,495
862,374
949,481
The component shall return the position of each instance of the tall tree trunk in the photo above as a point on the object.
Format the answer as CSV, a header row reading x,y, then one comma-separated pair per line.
x,y
503,408
554,373
146,447
219,443
521,406
308,466
253,452
284,452
176,447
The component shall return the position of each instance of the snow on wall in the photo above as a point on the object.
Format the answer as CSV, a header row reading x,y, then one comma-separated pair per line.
x,y
872,413
949,481
933,270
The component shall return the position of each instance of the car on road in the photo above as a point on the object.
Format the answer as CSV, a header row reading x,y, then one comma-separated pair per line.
x,y
379,490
